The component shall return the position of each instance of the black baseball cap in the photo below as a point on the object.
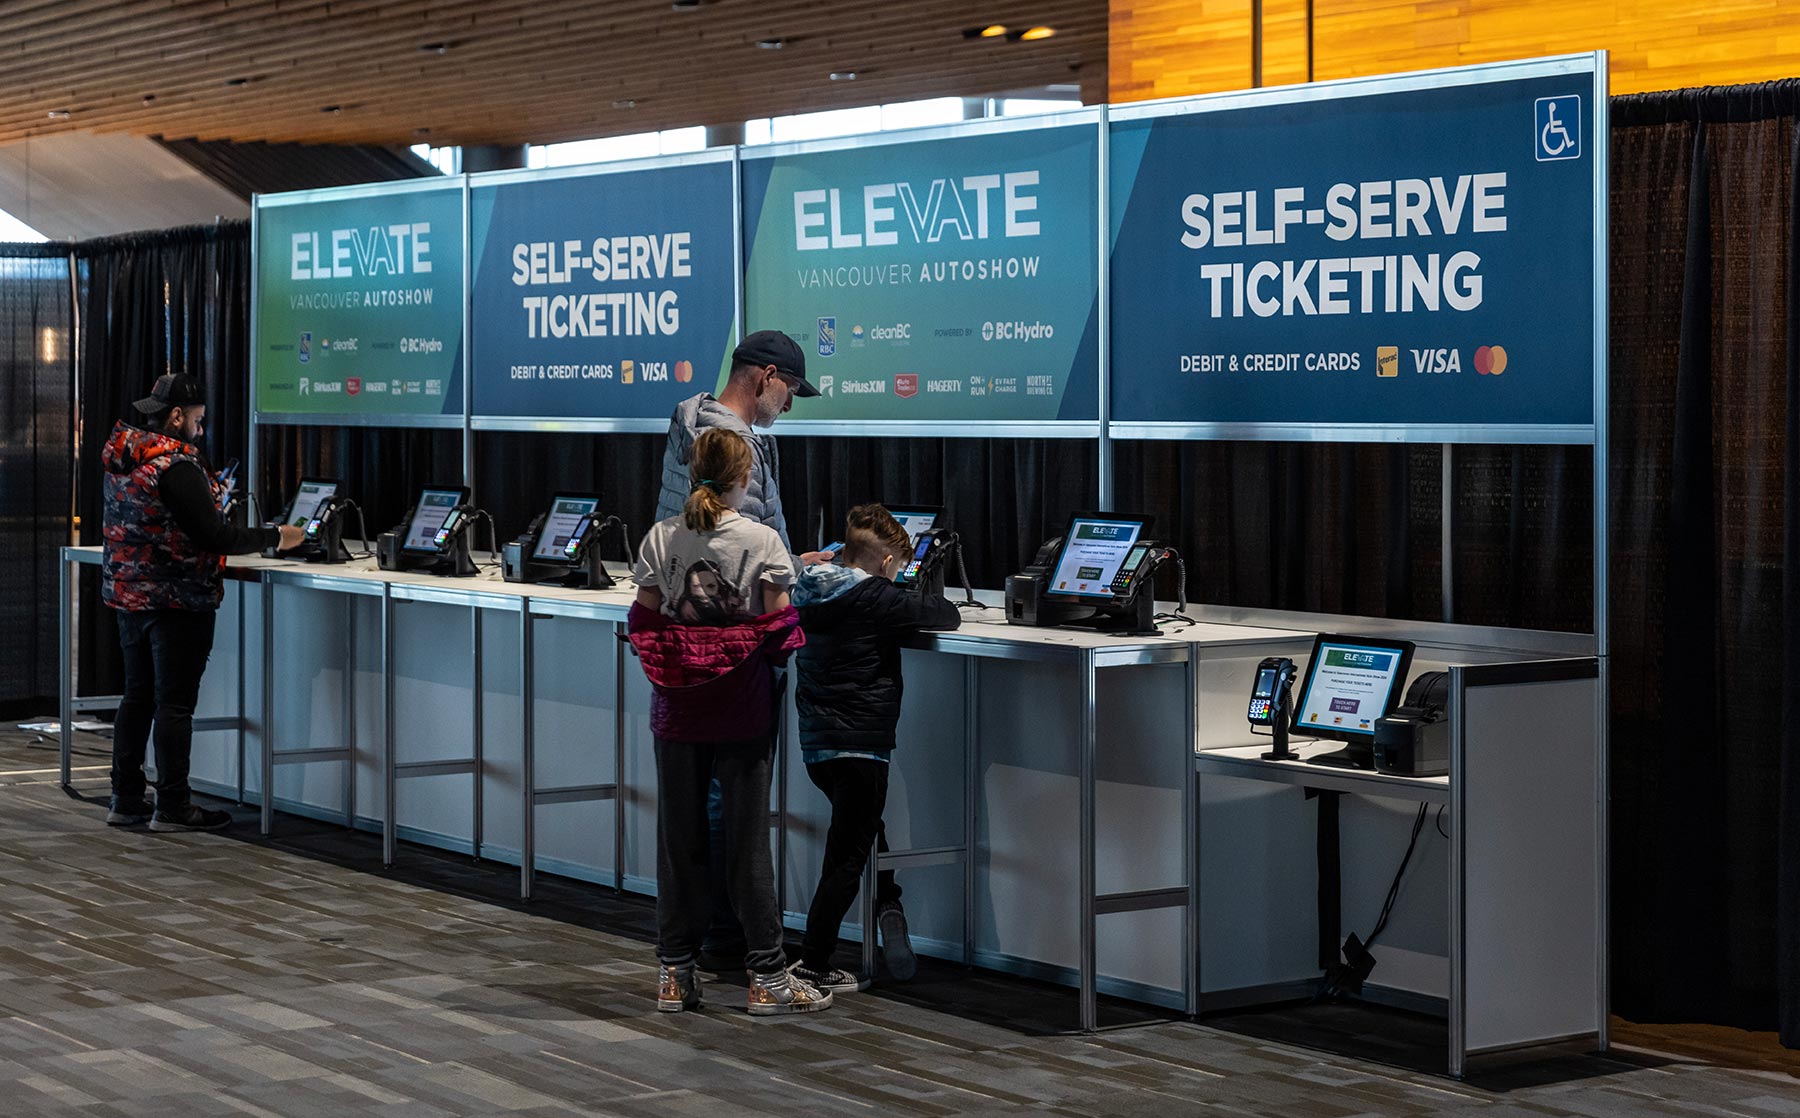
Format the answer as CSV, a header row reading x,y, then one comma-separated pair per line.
x,y
173,390
772,347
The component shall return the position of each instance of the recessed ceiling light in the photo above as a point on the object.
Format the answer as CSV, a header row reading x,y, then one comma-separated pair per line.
x,y
59,114
843,75
771,44
149,98
688,5
990,31
434,48
332,109
421,131
235,82
624,103
1033,33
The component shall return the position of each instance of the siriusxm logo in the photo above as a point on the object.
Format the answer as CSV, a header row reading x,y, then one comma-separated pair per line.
x,y
827,336
1020,331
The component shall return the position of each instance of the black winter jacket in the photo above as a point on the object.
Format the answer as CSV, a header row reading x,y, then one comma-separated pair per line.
x,y
849,670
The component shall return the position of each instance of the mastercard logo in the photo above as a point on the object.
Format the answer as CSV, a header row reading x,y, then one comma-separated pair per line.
x,y
1490,360
684,371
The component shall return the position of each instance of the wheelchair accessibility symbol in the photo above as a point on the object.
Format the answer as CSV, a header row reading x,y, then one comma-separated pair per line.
x,y
1558,123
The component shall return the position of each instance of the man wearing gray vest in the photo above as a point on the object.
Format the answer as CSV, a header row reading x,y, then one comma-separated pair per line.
x,y
768,370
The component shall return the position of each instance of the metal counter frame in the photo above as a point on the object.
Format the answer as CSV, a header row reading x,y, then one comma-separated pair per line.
x,y
1088,656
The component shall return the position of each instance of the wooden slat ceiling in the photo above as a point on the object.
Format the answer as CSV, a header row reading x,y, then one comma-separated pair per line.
x,y
511,71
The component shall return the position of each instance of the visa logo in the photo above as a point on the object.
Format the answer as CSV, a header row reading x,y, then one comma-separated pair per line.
x,y
1437,361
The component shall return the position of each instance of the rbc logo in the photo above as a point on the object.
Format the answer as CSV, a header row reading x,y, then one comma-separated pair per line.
x,y
827,336
305,346
1557,127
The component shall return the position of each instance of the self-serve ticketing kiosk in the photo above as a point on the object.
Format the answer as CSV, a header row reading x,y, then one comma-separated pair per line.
x,y
320,512
435,537
1347,695
933,547
1096,574
562,546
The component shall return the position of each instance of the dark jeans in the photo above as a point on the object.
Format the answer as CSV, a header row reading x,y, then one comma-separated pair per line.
x,y
724,935
857,788
165,656
683,897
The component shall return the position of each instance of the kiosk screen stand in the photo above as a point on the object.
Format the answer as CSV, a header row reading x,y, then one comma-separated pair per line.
x,y
566,515
916,520
311,495
1091,557
434,508
1350,682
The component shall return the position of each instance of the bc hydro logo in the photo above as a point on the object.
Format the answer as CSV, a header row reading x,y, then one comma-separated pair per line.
x,y
1557,127
827,336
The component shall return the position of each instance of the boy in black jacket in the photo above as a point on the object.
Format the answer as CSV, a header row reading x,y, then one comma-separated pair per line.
x,y
849,704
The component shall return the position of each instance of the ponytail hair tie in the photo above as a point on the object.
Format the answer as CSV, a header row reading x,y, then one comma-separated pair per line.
x,y
705,483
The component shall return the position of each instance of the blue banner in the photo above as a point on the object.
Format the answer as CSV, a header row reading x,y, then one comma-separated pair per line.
x,y
934,280
1420,256
602,296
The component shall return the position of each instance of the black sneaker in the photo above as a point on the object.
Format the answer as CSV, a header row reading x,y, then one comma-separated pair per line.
x,y
896,947
190,817
835,979
129,813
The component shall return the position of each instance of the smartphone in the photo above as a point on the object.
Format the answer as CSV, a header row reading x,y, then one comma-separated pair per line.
x,y
833,549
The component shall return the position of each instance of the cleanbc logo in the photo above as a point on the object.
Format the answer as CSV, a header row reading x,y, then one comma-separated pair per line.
x,y
827,336
1020,331
898,332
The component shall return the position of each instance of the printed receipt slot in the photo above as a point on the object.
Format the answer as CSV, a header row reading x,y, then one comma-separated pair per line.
x,y
1098,574
562,546
435,538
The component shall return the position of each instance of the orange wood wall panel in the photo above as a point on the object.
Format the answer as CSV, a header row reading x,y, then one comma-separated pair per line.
x,y
1165,48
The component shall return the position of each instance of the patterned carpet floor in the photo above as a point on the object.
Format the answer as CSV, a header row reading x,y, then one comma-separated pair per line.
x,y
203,975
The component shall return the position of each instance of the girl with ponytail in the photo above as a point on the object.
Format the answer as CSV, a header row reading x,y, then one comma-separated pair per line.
x,y
711,624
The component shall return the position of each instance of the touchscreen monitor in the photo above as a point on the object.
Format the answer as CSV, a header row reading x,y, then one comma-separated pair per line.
x,y
565,522
916,519
434,507
1350,682
312,493
1094,550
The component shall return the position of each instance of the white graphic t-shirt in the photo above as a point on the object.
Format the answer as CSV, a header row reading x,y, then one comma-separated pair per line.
x,y
716,577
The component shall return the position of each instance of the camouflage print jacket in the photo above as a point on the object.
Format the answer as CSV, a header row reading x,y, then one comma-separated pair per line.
x,y
149,562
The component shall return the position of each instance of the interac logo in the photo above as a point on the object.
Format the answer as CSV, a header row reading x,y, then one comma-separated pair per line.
x,y
627,371
1387,361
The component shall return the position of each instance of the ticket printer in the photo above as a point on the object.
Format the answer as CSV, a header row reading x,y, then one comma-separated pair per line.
x,y
1413,739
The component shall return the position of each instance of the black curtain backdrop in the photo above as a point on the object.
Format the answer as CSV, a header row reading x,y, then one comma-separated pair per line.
x,y
36,423
176,301
1705,636
1705,511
